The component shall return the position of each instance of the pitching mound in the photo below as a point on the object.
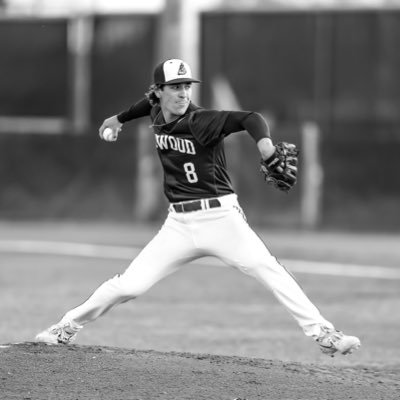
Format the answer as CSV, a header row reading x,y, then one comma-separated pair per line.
x,y
38,371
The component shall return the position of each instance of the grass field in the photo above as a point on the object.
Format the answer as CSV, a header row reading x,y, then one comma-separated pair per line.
x,y
203,308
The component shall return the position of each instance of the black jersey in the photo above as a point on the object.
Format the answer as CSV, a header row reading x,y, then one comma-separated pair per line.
x,y
191,149
192,154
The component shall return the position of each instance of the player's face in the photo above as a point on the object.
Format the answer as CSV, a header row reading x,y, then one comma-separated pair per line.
x,y
175,99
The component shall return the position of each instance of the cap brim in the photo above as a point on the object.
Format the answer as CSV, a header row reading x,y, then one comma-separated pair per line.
x,y
179,80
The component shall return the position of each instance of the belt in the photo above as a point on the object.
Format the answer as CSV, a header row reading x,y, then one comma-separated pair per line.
x,y
196,205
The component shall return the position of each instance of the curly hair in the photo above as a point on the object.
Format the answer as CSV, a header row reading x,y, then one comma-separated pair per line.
x,y
151,95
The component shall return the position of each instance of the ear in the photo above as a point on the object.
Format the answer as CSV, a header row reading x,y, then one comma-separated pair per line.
x,y
157,92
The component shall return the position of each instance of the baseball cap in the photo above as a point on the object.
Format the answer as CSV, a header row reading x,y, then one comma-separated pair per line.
x,y
173,71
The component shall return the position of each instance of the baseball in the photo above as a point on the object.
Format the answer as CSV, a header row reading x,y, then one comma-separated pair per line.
x,y
109,135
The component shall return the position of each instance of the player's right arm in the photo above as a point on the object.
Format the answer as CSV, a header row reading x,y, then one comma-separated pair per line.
x,y
140,109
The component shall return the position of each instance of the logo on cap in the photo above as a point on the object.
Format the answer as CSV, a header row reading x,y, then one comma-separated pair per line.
x,y
182,69
172,71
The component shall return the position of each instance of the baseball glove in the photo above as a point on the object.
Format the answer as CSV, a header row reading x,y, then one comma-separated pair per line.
x,y
280,169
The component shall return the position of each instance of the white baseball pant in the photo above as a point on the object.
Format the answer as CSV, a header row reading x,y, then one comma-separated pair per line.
x,y
221,232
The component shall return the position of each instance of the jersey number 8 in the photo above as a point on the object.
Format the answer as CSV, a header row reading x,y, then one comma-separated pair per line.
x,y
191,175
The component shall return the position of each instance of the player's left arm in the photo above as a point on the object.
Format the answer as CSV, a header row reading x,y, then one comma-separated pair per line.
x,y
278,163
209,126
256,125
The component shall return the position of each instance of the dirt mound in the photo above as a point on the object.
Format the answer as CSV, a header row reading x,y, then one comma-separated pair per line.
x,y
38,371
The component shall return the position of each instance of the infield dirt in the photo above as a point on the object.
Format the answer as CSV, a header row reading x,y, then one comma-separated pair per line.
x,y
33,371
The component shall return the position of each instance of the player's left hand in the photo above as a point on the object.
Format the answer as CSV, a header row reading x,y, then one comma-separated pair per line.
x,y
280,169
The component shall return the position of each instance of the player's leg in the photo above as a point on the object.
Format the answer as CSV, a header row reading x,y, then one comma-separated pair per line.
x,y
242,248
163,255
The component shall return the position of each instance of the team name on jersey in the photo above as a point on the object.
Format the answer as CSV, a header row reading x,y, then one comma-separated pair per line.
x,y
167,142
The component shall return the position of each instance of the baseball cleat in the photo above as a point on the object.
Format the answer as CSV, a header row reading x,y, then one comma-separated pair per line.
x,y
335,341
61,333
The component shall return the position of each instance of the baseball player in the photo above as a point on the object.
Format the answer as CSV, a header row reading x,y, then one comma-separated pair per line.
x,y
204,216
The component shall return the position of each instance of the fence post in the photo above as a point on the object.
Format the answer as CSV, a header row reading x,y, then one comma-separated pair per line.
x,y
311,176
148,190
80,41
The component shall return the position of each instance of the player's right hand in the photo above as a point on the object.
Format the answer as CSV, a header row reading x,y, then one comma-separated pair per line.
x,y
111,123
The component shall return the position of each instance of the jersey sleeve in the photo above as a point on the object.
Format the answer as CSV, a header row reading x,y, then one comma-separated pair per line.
x,y
207,125
140,109
250,121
